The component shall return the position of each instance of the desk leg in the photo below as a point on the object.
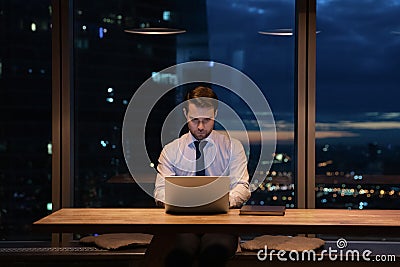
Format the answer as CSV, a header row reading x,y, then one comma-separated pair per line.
x,y
158,248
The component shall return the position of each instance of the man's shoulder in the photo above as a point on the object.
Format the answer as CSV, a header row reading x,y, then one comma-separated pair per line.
x,y
225,138
177,142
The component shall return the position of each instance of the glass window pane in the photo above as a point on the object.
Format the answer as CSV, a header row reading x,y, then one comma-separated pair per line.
x,y
358,116
25,117
111,64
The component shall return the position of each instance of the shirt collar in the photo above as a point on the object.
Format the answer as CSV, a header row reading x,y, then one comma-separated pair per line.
x,y
191,139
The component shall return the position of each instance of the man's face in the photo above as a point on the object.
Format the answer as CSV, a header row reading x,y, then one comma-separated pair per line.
x,y
200,120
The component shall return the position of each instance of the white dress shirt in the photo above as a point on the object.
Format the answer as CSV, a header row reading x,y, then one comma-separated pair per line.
x,y
222,156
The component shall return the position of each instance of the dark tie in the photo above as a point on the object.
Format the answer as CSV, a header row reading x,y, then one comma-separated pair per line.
x,y
200,171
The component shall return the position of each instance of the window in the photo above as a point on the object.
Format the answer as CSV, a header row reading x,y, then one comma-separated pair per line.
x,y
25,117
110,64
358,117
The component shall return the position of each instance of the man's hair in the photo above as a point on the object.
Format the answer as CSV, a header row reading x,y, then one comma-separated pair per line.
x,y
202,96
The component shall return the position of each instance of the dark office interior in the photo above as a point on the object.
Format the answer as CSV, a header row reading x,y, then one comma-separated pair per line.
x,y
328,69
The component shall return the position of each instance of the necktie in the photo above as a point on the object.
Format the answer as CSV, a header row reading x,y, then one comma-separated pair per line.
x,y
200,171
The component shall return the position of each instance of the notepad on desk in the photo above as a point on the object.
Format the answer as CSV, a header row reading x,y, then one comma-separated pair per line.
x,y
263,210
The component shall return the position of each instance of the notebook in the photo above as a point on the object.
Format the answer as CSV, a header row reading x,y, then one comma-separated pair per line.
x,y
262,210
197,194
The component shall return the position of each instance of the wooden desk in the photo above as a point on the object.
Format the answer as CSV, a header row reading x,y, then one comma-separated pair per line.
x,y
164,226
155,221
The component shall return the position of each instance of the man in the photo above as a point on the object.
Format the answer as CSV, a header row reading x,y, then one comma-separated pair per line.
x,y
222,156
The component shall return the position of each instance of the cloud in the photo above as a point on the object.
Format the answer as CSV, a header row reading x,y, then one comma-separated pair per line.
x,y
334,134
254,137
341,129
289,136
365,125
384,115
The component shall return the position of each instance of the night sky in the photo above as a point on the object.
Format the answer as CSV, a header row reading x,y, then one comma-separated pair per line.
x,y
358,62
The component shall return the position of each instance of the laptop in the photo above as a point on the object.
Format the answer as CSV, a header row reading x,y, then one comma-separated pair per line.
x,y
197,194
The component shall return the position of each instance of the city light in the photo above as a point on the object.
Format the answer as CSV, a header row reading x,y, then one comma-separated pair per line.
x,y
101,32
104,143
166,15
49,206
358,177
49,149
324,164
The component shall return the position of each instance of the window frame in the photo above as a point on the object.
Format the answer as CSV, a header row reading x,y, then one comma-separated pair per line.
x,y
63,105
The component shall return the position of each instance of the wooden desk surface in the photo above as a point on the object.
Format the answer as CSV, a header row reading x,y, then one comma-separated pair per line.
x,y
295,221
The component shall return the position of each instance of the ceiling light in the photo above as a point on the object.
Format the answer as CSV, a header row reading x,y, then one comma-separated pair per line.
x,y
280,32
155,31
